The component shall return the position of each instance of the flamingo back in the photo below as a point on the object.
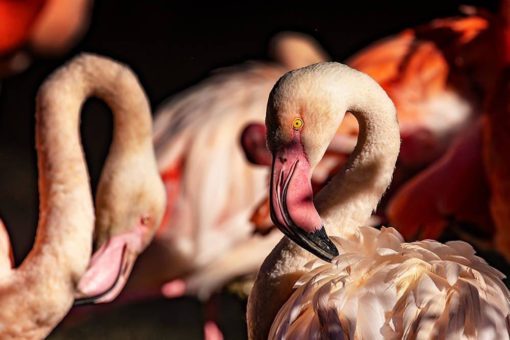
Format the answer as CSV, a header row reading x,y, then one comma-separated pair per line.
x,y
418,71
446,193
497,162
197,136
382,288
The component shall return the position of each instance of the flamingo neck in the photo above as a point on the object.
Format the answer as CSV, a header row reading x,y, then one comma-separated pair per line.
x,y
348,200
351,196
42,288
64,234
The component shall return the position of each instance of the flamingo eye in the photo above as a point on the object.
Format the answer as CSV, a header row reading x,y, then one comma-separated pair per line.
x,y
297,124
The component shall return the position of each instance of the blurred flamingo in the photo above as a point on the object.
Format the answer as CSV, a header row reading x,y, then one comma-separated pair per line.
x,y
48,27
206,238
417,75
130,201
495,130
497,163
379,287
421,210
452,195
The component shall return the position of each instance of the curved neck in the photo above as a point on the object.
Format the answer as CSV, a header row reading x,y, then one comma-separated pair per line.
x,y
348,200
354,192
64,235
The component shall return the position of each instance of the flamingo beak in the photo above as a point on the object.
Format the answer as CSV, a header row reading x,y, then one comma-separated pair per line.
x,y
109,269
292,208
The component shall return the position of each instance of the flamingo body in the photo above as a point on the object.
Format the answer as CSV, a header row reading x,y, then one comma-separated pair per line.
x,y
383,288
39,293
368,283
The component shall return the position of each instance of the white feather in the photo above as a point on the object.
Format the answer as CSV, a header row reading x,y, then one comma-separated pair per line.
x,y
420,290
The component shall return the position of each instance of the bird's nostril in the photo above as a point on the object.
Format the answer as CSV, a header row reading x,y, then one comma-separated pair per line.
x,y
283,159
145,220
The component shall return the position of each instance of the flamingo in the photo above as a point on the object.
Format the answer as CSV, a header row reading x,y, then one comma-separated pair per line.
x,y
130,201
497,162
455,189
206,237
419,78
420,210
427,72
366,283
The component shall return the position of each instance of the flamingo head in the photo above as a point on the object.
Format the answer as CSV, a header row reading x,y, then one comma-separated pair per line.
x,y
301,120
129,208
294,50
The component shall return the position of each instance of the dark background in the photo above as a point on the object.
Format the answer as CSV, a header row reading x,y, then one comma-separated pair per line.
x,y
172,46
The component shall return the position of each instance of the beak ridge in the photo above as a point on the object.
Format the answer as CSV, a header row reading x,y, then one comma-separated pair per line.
x,y
292,208
317,242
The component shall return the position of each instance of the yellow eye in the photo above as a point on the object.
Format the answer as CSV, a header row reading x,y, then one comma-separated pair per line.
x,y
297,124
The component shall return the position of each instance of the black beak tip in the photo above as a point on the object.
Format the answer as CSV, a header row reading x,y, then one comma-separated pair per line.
x,y
317,242
84,301
327,248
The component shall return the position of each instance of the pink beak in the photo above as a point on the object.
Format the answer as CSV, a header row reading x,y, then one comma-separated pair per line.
x,y
110,266
292,208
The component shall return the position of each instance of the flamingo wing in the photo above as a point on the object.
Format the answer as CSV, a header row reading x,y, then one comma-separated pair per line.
x,y
497,162
454,186
383,288
16,19
413,69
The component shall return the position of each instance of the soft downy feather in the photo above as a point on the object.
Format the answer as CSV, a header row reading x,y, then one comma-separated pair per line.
x,y
382,288
206,148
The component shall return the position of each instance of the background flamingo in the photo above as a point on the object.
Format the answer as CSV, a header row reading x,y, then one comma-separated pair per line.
x,y
48,27
206,235
38,294
497,162
437,203
206,238
379,286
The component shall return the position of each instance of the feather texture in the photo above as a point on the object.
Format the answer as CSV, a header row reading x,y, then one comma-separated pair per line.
x,y
382,288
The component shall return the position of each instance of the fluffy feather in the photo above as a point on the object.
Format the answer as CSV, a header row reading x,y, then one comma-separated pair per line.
x,y
380,287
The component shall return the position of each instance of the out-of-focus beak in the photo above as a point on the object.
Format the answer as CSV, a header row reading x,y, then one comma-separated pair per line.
x,y
292,208
108,271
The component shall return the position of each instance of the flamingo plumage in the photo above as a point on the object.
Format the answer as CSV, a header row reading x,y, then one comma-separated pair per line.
x,y
130,201
419,69
376,286
419,210
206,230
47,27
422,81
460,203
497,162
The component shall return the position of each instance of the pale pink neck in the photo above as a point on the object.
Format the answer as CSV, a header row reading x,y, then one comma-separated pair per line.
x,y
354,192
348,200
66,219
38,294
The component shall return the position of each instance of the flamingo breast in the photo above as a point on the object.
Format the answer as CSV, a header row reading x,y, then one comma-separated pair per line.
x,y
382,288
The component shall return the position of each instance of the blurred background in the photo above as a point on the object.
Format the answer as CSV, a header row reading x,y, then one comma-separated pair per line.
x,y
171,46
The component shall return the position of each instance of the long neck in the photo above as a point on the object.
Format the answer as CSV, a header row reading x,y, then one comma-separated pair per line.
x,y
64,235
353,193
38,294
348,200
